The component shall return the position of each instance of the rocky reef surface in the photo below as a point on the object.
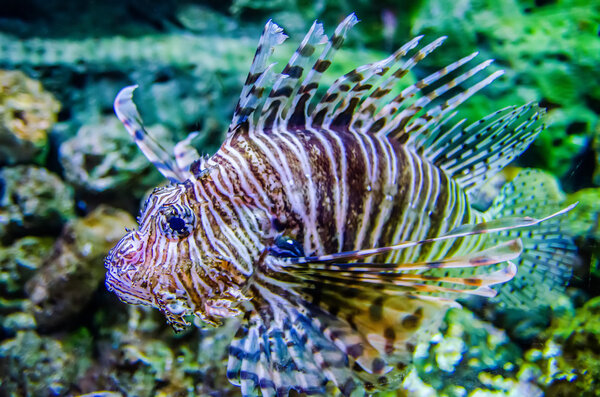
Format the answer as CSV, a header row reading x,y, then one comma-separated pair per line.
x,y
71,181
28,112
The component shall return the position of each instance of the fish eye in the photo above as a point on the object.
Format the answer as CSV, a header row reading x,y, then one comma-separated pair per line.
x,y
176,221
287,247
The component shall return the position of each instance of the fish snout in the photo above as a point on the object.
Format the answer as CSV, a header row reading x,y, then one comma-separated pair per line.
x,y
123,264
127,255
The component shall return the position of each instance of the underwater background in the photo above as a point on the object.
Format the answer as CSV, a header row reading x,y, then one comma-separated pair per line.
x,y
71,180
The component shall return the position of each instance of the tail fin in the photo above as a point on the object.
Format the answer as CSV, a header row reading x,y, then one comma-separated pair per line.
x,y
549,254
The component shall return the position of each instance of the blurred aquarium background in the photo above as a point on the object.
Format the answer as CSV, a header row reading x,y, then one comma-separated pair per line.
x,y
71,180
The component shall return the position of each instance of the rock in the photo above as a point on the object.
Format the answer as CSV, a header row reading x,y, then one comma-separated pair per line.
x,y
102,157
142,355
569,359
19,262
33,365
33,200
19,321
26,114
74,269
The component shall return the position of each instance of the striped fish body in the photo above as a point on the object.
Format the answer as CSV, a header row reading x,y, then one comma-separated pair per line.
x,y
339,230
334,191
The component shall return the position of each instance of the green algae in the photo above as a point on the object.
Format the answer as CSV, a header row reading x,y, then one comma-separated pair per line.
x,y
35,365
550,54
569,360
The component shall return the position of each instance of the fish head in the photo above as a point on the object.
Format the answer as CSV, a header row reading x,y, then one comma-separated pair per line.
x,y
162,264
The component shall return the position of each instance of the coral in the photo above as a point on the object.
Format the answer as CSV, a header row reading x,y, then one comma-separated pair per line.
x,y
585,224
584,218
213,349
32,200
568,134
26,114
103,157
209,53
72,272
141,355
469,356
202,19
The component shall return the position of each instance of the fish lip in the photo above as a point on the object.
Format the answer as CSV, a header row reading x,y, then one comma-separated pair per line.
x,y
122,283
127,255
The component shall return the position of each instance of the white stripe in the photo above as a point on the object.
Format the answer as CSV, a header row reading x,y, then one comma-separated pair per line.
x,y
385,207
232,238
413,229
210,237
230,220
286,176
372,162
300,148
245,175
342,213
401,225
335,183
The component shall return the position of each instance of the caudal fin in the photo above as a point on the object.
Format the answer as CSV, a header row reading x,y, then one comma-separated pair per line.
x,y
549,254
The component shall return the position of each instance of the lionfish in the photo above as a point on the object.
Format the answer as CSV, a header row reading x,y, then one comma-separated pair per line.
x,y
338,227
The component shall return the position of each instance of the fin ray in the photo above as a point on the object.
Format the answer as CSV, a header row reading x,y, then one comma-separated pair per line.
x,y
128,114
493,226
185,153
287,82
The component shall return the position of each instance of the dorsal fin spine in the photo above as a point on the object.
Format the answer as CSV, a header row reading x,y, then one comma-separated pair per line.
x,y
391,107
364,78
272,36
359,101
128,114
436,113
254,99
298,114
286,84
396,57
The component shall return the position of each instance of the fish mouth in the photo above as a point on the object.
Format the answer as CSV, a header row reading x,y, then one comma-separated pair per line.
x,y
122,266
127,255
126,289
